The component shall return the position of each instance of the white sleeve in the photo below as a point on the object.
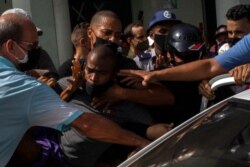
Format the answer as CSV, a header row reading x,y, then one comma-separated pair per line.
x,y
47,109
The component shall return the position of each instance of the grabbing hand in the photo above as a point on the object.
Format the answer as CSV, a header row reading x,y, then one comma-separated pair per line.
x,y
240,73
160,62
113,95
205,90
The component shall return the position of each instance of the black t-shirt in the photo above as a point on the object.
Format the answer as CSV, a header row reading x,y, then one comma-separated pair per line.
x,y
39,59
187,102
65,69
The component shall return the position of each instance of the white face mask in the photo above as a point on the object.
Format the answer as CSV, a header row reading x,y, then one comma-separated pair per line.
x,y
25,58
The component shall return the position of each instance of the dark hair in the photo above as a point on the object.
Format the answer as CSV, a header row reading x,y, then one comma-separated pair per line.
x,y
221,29
79,31
128,30
104,51
97,18
10,28
238,12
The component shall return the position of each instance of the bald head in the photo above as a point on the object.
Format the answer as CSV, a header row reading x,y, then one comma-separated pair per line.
x,y
101,15
13,26
105,25
101,66
102,56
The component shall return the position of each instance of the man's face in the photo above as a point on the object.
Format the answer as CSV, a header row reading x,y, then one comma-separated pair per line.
x,y
239,28
139,35
108,29
28,42
98,71
163,28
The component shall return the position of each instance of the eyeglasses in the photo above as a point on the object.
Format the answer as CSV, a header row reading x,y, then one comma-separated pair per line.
x,y
31,45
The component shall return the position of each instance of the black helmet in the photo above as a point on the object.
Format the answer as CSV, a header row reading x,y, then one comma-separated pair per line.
x,y
185,40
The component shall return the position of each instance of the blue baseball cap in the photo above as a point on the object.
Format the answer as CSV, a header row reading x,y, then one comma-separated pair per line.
x,y
162,16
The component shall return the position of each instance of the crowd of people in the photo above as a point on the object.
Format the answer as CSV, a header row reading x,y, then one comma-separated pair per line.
x,y
120,90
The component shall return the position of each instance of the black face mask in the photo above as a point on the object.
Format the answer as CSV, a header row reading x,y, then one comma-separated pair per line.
x,y
32,61
93,90
233,41
160,42
113,46
142,46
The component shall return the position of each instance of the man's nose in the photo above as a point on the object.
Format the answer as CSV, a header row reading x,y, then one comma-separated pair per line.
x,y
93,77
114,39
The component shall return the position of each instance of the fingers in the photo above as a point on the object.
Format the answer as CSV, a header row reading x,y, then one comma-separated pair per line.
x,y
33,73
51,82
246,73
107,107
149,78
240,74
205,90
99,102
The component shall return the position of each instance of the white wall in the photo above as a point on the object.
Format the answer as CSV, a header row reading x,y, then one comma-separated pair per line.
x,y
4,6
43,16
223,5
63,29
52,16
189,11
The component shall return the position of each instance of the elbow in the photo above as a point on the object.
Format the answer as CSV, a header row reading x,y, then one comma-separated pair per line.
x,y
84,124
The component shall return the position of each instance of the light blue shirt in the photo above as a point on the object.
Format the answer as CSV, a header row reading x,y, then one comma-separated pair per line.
x,y
237,55
25,102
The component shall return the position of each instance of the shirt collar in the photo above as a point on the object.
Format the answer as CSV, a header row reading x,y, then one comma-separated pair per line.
x,y
6,62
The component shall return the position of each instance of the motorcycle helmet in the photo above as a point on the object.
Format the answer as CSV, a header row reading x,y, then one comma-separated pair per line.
x,y
185,41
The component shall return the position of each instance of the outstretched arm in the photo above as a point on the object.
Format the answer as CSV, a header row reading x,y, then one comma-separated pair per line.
x,y
202,69
198,70
153,95
99,128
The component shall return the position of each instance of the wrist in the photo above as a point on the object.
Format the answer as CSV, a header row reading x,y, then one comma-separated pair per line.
x,y
155,76
124,93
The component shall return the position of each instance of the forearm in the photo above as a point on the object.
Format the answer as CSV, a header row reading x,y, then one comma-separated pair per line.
x,y
99,128
155,95
198,70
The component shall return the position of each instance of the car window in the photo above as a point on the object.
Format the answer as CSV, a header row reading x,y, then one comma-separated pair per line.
x,y
219,138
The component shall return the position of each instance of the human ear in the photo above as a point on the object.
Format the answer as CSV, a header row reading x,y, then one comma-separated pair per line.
x,y
9,46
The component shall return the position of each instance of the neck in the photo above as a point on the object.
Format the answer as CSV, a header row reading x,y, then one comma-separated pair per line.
x,y
133,51
80,54
9,57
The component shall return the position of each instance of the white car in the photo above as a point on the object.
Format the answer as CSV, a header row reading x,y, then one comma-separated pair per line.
x,y
217,137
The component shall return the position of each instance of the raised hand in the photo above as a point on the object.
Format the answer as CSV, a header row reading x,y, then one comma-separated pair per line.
x,y
160,62
76,81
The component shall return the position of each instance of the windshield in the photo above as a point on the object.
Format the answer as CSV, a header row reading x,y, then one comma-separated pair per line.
x,y
219,138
